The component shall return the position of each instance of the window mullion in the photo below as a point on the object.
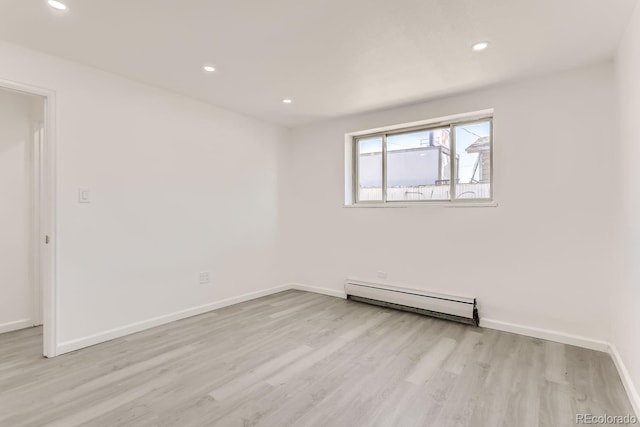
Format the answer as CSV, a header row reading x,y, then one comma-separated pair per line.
x,y
356,171
384,168
452,163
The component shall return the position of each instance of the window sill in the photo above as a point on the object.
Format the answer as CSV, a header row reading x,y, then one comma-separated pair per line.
x,y
403,205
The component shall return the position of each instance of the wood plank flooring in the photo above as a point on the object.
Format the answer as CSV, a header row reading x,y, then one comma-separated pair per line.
x,y
303,359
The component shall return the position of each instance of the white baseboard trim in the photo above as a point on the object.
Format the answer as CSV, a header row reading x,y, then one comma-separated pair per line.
x,y
76,344
529,331
546,334
627,382
318,290
15,325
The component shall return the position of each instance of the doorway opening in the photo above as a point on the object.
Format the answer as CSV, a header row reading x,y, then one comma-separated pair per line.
x,y
26,218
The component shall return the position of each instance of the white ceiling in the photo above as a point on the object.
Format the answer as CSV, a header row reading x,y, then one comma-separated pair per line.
x,y
332,57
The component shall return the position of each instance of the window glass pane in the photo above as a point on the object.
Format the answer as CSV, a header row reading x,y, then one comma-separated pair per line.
x,y
473,157
370,169
418,165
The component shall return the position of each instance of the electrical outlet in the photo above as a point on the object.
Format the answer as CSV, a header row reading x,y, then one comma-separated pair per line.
x,y
205,277
382,274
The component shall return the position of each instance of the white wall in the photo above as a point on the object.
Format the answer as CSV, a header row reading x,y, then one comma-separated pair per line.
x,y
626,319
177,187
17,292
548,263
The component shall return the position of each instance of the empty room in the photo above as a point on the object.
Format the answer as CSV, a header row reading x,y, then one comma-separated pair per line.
x,y
319,213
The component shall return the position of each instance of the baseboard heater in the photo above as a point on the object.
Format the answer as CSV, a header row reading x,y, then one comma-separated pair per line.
x,y
459,309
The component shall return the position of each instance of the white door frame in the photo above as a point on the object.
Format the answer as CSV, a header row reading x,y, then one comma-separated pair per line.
x,y
46,215
37,147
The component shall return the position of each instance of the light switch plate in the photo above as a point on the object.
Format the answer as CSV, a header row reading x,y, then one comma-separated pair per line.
x,y
84,195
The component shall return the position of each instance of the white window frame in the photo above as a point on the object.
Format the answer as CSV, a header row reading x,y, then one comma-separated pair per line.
x,y
351,162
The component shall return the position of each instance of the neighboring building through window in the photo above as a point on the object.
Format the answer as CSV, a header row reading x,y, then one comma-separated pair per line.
x,y
416,164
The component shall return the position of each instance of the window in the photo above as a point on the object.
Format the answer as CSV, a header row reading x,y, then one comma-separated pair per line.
x,y
370,169
416,164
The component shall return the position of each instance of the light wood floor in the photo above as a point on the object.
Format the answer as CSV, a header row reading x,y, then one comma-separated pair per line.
x,y
303,359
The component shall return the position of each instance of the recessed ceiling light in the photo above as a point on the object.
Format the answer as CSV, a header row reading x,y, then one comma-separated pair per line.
x,y
58,5
287,101
480,46
209,68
